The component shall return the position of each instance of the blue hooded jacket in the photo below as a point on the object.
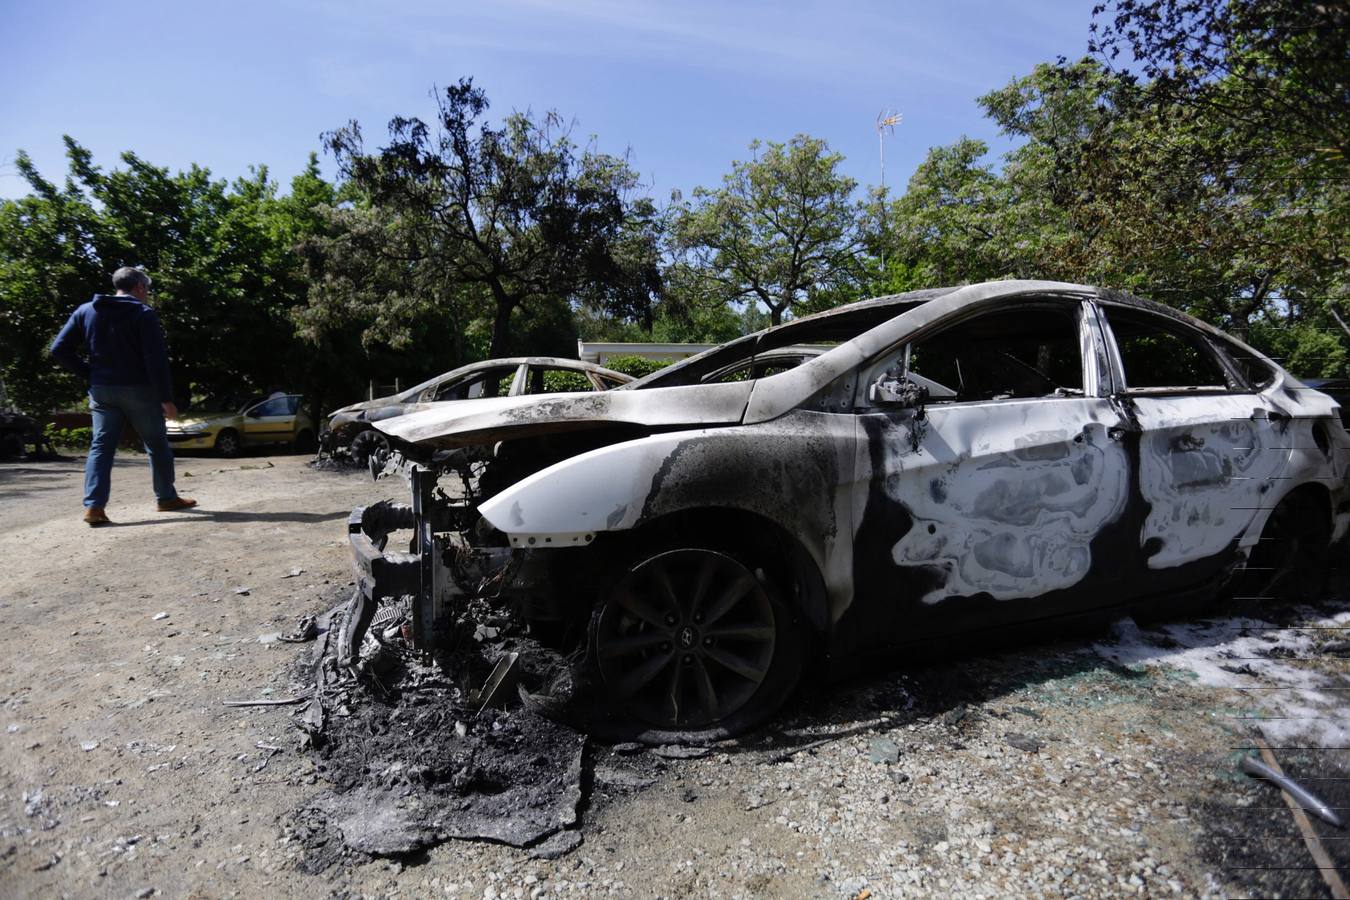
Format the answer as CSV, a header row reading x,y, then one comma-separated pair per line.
x,y
124,343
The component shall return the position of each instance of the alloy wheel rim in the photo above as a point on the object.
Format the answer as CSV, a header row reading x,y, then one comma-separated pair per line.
x,y
686,638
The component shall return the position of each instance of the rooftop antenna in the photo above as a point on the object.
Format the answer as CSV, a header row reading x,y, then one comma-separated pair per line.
x,y
887,119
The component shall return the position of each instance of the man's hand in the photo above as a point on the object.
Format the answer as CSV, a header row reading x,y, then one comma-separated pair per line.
x,y
170,411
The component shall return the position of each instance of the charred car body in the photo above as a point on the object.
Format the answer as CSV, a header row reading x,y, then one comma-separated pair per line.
x,y
351,427
960,459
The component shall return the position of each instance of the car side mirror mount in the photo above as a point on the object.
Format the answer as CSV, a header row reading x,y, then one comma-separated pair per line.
x,y
896,389
897,393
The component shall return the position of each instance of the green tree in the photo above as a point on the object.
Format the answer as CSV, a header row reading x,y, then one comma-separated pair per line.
x,y
222,256
222,259
1273,70
518,213
947,221
782,230
1180,203
1251,102
1110,186
372,310
47,265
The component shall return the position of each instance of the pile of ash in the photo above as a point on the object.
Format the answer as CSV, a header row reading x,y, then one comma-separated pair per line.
x,y
416,755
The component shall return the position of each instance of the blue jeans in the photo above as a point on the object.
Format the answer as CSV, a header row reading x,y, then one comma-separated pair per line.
x,y
114,405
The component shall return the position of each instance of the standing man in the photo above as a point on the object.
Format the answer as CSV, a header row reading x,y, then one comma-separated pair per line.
x,y
128,372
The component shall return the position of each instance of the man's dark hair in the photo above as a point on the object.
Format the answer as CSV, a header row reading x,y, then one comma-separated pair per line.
x,y
128,278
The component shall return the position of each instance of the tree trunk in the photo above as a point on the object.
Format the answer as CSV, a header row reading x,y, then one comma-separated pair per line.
x,y
1241,325
501,320
501,328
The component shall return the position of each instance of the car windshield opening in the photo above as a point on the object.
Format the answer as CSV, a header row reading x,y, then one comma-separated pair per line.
x,y
823,330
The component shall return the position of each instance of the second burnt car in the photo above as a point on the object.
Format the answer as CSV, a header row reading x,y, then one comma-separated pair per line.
x,y
958,460
351,427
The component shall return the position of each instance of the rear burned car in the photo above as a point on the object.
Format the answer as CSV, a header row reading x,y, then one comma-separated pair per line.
x,y
351,429
940,463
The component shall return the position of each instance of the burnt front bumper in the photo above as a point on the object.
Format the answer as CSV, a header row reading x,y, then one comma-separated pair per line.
x,y
438,572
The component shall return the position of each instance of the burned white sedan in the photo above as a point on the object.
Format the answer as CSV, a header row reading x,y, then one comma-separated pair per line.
x,y
956,460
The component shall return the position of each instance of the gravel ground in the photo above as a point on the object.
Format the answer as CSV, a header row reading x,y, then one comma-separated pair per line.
x,y
1098,764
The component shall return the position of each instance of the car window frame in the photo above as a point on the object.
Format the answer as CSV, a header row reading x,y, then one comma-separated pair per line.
x,y
543,368
429,395
519,382
1079,311
294,404
748,366
1226,345
1235,382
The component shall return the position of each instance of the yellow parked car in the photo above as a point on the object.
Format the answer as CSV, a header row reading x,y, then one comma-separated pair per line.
x,y
272,420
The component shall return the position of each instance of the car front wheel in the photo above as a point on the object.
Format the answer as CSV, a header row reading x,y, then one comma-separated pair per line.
x,y
694,643
228,443
11,445
368,443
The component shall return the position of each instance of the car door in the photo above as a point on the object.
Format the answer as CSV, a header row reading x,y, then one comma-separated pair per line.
x,y
1210,444
992,500
271,421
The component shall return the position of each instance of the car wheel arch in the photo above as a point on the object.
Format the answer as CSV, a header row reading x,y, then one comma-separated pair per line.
x,y
1313,492
1290,558
733,528
744,540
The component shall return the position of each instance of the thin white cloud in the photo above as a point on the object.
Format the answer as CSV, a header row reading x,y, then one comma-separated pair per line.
x,y
798,42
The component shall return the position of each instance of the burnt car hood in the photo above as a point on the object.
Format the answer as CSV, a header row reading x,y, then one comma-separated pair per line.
x,y
377,403
460,423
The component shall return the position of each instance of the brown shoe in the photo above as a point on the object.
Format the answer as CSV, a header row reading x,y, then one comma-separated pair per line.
x,y
95,516
176,503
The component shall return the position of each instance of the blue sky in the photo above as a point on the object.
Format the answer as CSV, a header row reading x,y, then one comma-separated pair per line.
x,y
684,86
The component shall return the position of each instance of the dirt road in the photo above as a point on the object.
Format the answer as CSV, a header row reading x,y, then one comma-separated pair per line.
x,y
1083,767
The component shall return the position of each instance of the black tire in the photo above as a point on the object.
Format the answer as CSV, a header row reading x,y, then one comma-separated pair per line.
x,y
11,445
693,644
228,443
304,441
1289,564
366,443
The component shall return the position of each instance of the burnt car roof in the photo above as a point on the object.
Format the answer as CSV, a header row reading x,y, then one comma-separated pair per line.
x,y
408,394
863,330
557,361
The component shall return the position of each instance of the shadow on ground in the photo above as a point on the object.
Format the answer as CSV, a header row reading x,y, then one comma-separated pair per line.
x,y
236,515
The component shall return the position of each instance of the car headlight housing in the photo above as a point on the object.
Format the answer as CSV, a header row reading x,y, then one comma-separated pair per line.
x,y
195,428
